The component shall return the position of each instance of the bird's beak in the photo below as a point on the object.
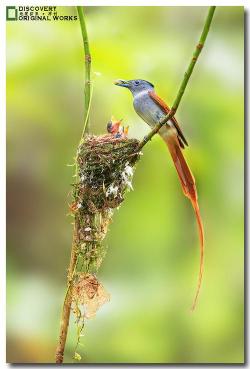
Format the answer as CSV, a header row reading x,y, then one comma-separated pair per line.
x,y
121,83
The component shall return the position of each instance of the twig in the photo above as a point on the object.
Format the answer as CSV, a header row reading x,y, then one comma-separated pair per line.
x,y
87,56
185,80
68,298
74,255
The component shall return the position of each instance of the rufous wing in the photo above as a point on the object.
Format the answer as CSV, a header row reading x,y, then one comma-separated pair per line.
x,y
165,108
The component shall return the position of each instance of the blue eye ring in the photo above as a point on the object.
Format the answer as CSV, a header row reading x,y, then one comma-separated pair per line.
x,y
137,83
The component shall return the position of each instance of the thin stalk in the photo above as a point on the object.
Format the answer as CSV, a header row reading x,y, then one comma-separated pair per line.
x,y
87,116
87,57
74,255
68,298
185,80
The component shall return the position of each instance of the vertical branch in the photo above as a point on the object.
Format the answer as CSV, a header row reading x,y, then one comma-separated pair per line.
x,y
196,54
68,298
185,80
87,83
74,255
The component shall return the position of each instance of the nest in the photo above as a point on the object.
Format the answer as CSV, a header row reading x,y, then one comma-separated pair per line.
x,y
105,170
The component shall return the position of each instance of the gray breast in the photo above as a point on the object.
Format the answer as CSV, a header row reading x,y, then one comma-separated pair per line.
x,y
147,109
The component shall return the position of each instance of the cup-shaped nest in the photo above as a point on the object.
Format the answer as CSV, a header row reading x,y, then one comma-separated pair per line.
x,y
105,169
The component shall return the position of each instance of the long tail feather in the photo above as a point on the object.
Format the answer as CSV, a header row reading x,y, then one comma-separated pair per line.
x,y
201,236
189,188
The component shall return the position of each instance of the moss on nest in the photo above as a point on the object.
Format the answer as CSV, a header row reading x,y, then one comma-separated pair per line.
x,y
103,163
105,170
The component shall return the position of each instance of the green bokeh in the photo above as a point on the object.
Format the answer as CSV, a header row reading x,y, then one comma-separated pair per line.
x,y
151,266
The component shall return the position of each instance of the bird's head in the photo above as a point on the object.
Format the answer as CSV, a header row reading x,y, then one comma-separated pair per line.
x,y
135,85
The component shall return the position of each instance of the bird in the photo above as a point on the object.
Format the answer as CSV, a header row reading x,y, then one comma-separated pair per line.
x,y
151,108
114,128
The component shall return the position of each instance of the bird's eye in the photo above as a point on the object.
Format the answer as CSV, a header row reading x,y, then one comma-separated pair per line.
x,y
137,83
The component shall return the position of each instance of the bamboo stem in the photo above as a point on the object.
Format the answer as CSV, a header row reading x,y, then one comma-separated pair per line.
x,y
74,255
87,83
185,80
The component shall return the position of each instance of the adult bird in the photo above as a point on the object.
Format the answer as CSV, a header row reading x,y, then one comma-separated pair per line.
x,y
151,108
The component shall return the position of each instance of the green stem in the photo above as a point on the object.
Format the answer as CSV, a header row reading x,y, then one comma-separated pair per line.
x,y
87,83
74,256
185,80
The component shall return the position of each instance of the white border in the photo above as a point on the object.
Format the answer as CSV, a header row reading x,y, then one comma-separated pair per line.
x,y
244,3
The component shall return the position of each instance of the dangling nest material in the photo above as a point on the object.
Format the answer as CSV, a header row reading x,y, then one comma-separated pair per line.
x,y
89,293
105,171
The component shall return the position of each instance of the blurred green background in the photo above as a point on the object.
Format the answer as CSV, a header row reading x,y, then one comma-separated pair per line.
x,y
151,266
